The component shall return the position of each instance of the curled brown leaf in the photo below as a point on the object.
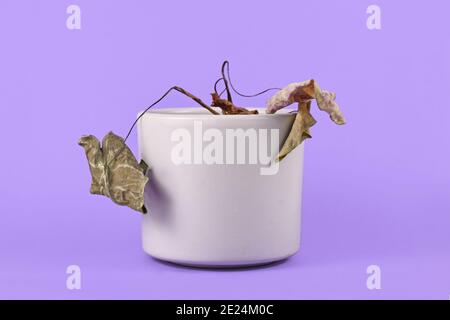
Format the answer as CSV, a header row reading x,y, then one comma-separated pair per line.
x,y
299,130
228,107
303,93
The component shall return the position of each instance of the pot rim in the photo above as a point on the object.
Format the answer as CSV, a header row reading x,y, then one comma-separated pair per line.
x,y
199,112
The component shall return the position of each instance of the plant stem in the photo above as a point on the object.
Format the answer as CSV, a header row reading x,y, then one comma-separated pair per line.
x,y
225,81
198,100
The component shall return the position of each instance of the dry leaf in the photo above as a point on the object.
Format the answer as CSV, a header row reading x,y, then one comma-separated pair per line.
x,y
325,102
303,92
294,92
115,171
228,107
300,129
306,90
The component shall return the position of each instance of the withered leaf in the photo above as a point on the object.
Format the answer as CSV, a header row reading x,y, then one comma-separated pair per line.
x,y
294,92
306,90
115,171
302,92
325,102
299,130
228,107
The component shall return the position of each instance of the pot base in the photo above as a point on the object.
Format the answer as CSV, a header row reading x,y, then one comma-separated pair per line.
x,y
224,264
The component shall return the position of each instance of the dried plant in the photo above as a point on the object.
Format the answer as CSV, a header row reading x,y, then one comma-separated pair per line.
x,y
117,174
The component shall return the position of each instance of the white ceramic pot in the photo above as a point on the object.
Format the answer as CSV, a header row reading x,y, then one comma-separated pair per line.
x,y
206,213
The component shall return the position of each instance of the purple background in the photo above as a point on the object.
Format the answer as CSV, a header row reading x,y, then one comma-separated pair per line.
x,y
376,191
